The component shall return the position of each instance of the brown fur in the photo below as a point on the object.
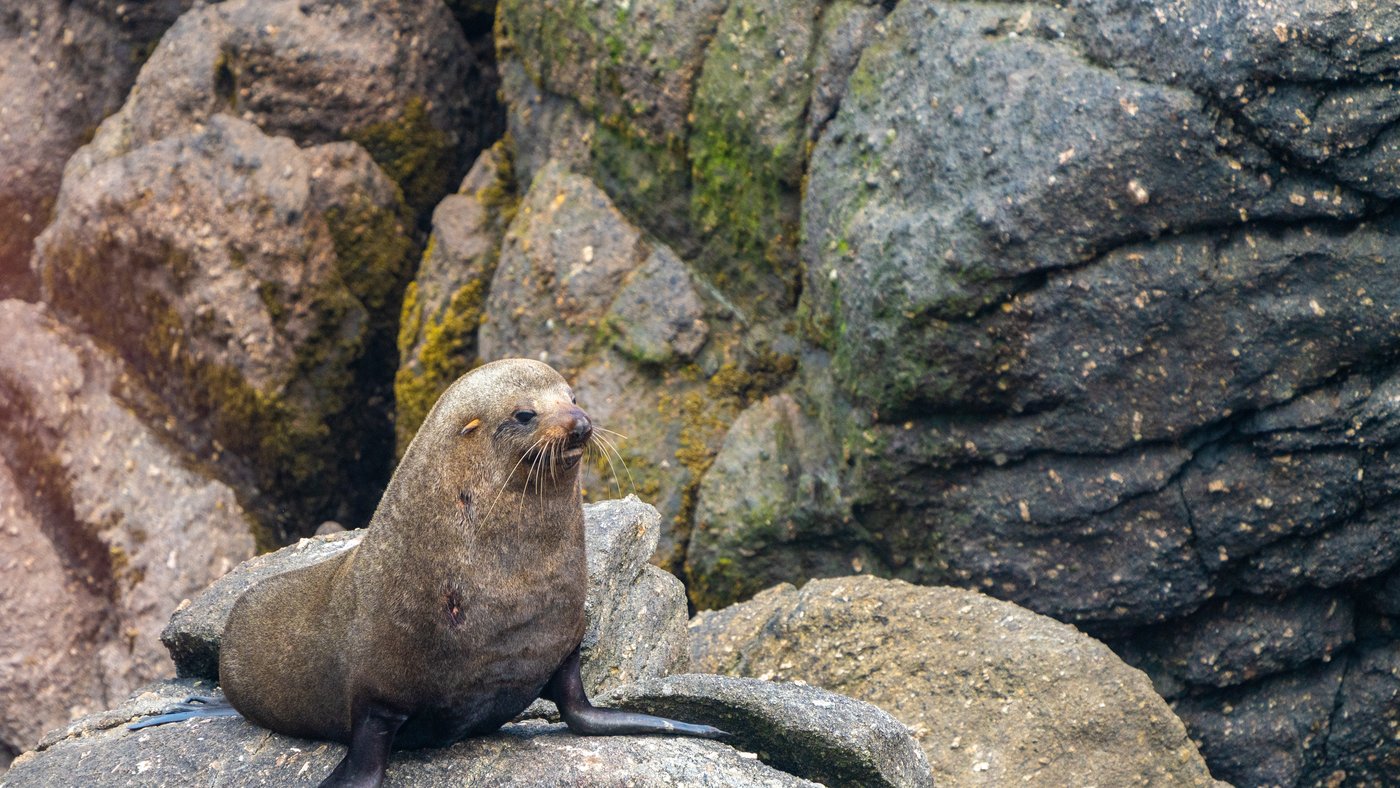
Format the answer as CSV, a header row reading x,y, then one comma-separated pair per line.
x,y
464,596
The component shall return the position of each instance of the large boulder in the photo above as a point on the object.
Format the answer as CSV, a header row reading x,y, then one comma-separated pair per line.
x,y
68,65
995,694
397,77
105,526
253,285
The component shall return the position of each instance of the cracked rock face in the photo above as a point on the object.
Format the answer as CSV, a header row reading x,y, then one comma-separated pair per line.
x,y
1121,268
1097,314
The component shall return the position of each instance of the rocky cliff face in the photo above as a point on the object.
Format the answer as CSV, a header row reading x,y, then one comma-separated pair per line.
x,y
1088,306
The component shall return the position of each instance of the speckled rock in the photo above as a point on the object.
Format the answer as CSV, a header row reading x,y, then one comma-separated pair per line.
x,y
254,286
657,316
98,751
104,526
563,262
636,612
772,486
68,65
994,693
393,76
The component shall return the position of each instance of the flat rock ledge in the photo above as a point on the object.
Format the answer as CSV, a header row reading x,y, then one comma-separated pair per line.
x,y
777,729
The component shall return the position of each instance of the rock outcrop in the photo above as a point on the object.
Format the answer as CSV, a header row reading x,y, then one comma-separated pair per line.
x,y
68,65
995,694
104,527
251,284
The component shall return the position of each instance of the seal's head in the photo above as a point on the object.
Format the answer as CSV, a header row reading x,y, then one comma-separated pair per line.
x,y
512,424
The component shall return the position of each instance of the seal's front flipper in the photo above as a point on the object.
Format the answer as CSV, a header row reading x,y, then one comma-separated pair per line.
x,y
565,688
372,731
192,707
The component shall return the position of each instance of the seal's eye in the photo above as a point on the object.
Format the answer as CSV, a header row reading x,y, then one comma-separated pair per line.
x,y
573,398
524,416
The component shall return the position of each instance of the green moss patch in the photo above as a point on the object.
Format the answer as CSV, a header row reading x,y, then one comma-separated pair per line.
x,y
447,351
418,156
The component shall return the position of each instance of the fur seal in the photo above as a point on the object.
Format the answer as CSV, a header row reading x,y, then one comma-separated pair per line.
x,y
462,603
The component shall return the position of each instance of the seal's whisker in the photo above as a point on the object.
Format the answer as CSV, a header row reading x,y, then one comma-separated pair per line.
x,y
632,483
595,442
596,428
505,483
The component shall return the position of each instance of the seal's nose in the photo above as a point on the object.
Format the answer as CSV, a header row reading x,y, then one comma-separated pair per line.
x,y
582,429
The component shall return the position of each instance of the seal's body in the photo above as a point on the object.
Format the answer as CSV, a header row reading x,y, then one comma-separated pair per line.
x,y
463,602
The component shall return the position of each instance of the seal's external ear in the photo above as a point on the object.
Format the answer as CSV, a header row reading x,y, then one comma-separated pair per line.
x,y
471,425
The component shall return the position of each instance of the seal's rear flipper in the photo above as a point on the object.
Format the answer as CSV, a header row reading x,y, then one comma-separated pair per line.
x,y
565,688
191,707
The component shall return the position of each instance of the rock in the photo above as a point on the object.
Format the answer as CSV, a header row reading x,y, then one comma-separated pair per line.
x,y
636,613
99,751
658,316
254,286
1269,733
391,76
1239,639
105,527
1023,186
445,303
48,672
993,693
563,262
637,63
819,735
67,66
747,149
1311,79
769,508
